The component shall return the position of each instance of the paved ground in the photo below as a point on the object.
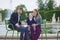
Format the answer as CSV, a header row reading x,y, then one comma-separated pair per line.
x,y
50,37
38,39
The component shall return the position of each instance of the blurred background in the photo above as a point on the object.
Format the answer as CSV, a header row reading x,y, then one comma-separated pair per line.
x,y
49,10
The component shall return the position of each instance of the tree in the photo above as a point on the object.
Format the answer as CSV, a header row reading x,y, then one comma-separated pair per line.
x,y
50,5
40,5
41,8
4,13
57,12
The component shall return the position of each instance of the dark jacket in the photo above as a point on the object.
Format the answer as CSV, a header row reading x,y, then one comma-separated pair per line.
x,y
14,19
30,22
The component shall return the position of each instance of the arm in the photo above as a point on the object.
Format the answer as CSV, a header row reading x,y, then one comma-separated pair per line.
x,y
12,19
27,20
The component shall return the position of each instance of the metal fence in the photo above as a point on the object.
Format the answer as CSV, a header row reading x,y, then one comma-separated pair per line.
x,y
50,28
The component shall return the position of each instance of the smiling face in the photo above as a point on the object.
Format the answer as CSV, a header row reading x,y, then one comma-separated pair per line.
x,y
30,15
35,12
19,10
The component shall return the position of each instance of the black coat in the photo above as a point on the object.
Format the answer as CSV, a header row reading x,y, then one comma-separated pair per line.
x,y
30,22
14,20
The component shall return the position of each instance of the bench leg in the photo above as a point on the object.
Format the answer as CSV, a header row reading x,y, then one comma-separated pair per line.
x,y
13,35
41,36
57,36
46,36
6,35
17,35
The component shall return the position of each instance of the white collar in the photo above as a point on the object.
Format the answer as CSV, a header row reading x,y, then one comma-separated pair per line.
x,y
30,19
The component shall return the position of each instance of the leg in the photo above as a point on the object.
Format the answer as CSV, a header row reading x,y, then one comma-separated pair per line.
x,y
32,33
21,35
27,34
22,30
17,35
38,31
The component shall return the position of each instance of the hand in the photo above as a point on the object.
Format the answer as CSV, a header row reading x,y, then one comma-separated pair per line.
x,y
17,25
29,28
33,25
36,24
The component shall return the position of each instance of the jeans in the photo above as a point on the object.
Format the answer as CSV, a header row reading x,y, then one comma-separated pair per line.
x,y
24,30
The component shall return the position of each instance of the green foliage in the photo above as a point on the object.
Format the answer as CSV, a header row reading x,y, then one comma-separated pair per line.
x,y
4,13
50,4
40,5
47,8
47,29
23,17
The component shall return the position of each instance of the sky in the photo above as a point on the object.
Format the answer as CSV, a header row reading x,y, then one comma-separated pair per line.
x,y
30,4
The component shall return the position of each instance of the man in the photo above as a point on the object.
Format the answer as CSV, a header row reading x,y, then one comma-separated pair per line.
x,y
15,20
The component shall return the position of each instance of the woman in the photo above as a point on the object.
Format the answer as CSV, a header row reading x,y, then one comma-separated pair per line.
x,y
37,17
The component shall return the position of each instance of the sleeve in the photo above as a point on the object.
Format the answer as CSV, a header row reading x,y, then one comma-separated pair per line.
x,y
12,18
27,20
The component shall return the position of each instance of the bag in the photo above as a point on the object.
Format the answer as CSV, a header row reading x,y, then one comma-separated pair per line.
x,y
10,26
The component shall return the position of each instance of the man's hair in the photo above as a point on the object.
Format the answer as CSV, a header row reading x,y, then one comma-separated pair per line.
x,y
36,11
20,8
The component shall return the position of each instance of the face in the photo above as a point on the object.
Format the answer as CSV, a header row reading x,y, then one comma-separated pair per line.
x,y
34,13
19,11
30,15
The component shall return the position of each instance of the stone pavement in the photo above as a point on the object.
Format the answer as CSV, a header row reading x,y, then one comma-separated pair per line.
x,y
38,39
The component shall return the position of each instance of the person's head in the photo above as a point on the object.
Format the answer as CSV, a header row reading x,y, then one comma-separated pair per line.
x,y
20,9
30,15
35,12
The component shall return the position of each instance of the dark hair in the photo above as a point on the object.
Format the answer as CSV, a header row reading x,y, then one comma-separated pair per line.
x,y
20,8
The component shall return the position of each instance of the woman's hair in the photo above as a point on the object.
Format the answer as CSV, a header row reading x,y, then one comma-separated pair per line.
x,y
37,16
36,11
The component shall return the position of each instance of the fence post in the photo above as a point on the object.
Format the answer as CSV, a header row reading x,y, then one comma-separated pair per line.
x,y
45,29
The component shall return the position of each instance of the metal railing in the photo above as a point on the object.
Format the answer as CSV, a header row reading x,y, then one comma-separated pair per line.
x,y
50,28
